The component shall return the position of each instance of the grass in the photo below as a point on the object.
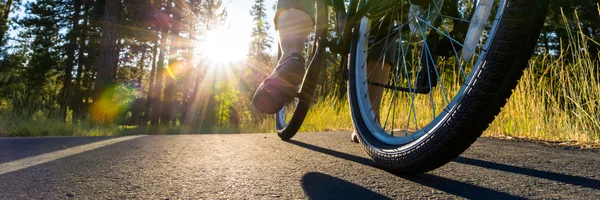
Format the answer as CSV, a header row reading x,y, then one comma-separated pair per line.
x,y
37,125
557,99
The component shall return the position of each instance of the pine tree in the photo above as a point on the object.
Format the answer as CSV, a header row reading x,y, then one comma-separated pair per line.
x,y
261,41
199,107
42,25
4,15
70,62
107,64
260,60
77,98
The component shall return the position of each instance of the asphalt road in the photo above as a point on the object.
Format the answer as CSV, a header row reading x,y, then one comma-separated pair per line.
x,y
261,166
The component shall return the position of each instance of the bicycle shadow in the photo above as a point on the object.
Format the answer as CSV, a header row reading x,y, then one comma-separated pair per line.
x,y
564,178
458,188
322,186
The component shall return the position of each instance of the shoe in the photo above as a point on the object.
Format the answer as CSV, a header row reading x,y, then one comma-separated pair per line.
x,y
281,86
354,137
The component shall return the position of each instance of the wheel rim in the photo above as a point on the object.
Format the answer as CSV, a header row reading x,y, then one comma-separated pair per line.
x,y
285,113
386,126
283,116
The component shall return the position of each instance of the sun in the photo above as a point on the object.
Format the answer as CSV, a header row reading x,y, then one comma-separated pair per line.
x,y
222,47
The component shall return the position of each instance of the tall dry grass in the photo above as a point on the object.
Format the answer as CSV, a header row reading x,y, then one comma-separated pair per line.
x,y
557,99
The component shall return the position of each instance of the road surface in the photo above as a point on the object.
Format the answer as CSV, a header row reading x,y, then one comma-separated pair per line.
x,y
261,166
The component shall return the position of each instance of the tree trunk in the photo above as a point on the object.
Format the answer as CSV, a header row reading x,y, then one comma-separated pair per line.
x,y
186,98
191,79
103,108
4,19
87,82
66,95
187,93
150,97
116,59
137,107
158,83
193,105
167,103
77,97
168,99
141,66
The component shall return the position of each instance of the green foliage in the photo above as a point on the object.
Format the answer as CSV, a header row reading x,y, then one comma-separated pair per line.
x,y
582,14
260,63
562,87
261,41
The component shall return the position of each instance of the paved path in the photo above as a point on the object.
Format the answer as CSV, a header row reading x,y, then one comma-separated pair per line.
x,y
260,166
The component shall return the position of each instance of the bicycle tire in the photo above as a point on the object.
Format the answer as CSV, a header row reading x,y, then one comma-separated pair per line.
x,y
286,131
489,87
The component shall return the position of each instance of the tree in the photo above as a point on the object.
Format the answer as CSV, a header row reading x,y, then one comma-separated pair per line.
x,y
163,23
191,78
149,95
175,42
556,27
77,99
4,15
260,60
103,109
261,41
198,105
41,30
70,62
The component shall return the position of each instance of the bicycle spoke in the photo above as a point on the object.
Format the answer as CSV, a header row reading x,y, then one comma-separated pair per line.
x,y
454,18
456,54
408,83
382,58
439,31
430,58
426,46
394,94
384,33
424,36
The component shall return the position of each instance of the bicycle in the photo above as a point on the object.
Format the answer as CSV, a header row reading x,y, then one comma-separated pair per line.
x,y
482,77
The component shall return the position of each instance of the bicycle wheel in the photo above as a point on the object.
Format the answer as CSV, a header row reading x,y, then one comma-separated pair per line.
x,y
425,103
296,110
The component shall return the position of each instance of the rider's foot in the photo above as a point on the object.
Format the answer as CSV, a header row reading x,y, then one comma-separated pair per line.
x,y
282,86
354,137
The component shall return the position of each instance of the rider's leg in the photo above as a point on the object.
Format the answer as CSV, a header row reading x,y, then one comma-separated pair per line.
x,y
380,71
293,27
381,58
294,20
379,74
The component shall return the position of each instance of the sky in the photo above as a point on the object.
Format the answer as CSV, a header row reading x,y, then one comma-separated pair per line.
x,y
240,22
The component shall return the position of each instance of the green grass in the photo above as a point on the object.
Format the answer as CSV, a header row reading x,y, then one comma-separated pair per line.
x,y
557,99
38,125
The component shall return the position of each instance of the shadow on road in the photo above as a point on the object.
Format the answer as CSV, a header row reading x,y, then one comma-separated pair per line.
x,y
568,179
322,186
12,149
334,153
457,188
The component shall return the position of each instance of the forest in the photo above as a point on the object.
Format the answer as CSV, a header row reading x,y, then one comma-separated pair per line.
x,y
108,67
